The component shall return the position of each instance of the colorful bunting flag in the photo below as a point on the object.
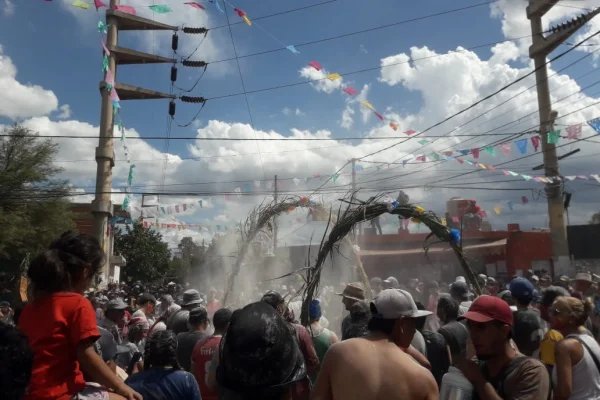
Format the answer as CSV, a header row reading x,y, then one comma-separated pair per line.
x,y
524,200
553,137
315,65
350,91
490,150
455,219
535,141
334,177
99,4
420,158
368,105
521,145
394,126
81,4
423,141
195,5
505,147
497,210
379,115
574,132
595,124
475,153
510,205
161,8
334,77
125,9
410,132
292,49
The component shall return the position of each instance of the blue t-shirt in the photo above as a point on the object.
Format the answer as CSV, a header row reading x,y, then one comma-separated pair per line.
x,y
165,384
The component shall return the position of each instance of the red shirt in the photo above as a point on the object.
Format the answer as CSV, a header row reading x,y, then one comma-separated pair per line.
x,y
54,325
212,307
202,357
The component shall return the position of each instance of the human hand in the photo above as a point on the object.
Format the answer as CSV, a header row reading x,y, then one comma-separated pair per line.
x,y
470,369
129,393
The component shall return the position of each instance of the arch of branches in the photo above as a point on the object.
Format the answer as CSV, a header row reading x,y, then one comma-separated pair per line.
x,y
339,227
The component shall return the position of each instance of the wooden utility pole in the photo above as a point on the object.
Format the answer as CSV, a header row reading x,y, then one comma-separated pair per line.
x,y
542,46
102,206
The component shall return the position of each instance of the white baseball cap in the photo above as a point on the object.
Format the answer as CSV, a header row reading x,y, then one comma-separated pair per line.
x,y
395,304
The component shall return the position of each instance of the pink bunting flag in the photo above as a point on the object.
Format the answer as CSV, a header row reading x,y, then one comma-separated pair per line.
x,y
106,51
315,65
349,90
114,95
535,141
126,9
195,5
379,115
410,132
524,200
505,148
455,219
574,132
460,160
482,214
505,172
109,78
448,153
475,153
420,158
239,12
99,4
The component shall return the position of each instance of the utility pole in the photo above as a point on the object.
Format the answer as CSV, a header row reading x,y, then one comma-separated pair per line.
x,y
354,189
275,217
541,47
102,206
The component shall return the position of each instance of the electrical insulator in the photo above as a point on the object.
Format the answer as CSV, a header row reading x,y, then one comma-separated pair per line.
x,y
175,42
172,108
174,73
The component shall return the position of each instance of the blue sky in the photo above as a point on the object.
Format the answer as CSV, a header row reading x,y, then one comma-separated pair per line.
x,y
56,47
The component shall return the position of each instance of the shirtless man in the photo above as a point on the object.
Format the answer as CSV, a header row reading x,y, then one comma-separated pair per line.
x,y
376,367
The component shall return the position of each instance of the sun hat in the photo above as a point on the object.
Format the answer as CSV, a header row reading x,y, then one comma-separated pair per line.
x,y
353,291
583,276
191,296
489,308
259,351
116,304
395,304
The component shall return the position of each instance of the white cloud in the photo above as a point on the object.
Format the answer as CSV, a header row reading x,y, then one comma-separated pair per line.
x,y
22,100
65,112
299,112
286,111
9,8
322,84
347,117
363,49
351,103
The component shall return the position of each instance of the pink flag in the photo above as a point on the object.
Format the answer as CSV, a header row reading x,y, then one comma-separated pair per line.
x,y
125,9
114,95
505,172
535,141
455,219
448,153
239,12
409,132
524,200
106,51
482,214
460,160
315,65
195,5
505,148
420,158
574,132
99,4
379,115
350,91
109,78
475,153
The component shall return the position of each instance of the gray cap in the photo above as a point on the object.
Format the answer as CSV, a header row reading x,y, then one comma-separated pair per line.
x,y
395,304
116,304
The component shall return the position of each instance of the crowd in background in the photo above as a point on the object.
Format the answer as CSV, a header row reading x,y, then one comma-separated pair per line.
x,y
527,337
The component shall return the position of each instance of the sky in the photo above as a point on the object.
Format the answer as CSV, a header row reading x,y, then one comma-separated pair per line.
x,y
417,63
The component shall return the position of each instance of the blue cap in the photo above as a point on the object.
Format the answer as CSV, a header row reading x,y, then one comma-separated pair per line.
x,y
522,290
315,309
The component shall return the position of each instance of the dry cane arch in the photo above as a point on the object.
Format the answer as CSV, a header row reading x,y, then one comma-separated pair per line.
x,y
340,226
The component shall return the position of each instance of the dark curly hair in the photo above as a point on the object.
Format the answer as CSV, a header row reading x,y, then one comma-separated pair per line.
x,y
70,258
16,361
161,351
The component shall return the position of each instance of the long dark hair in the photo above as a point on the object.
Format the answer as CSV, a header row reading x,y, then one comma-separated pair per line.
x,y
161,351
70,258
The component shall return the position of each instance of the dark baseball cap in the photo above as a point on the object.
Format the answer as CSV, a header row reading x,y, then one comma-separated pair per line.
x,y
522,290
489,308
459,289
107,347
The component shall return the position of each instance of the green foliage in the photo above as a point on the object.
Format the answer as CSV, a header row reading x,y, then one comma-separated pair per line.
x,y
33,205
148,256
190,259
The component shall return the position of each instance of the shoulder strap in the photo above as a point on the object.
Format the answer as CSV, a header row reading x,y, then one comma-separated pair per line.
x,y
584,344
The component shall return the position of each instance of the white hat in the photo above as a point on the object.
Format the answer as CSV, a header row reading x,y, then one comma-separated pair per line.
x,y
396,303
460,279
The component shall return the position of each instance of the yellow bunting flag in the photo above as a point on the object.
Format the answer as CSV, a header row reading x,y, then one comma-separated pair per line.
x,y
483,166
367,104
334,77
497,210
81,4
394,126
247,20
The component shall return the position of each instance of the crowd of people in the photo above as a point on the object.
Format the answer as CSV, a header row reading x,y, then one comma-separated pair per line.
x,y
528,338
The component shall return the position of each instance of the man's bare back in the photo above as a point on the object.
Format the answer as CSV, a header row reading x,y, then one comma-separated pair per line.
x,y
372,368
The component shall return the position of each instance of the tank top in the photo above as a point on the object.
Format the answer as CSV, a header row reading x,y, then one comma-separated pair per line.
x,y
322,344
585,375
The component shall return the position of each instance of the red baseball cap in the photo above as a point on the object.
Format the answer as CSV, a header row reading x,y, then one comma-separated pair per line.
x,y
489,308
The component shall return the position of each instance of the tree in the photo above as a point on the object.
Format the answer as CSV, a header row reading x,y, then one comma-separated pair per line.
x,y
190,260
148,256
34,206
